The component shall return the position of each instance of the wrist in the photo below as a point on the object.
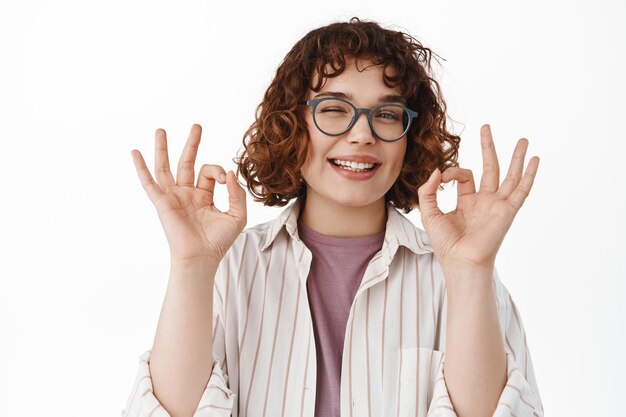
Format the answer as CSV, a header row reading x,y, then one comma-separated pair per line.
x,y
190,268
194,261
467,277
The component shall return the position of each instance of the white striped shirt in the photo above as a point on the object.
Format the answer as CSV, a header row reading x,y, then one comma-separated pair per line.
x,y
394,348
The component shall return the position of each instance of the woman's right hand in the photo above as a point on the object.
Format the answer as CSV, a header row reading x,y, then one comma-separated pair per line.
x,y
195,229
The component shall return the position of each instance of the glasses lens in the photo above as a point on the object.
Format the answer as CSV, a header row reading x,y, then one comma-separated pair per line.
x,y
333,116
390,121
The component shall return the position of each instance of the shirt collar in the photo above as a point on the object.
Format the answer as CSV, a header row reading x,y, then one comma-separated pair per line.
x,y
399,229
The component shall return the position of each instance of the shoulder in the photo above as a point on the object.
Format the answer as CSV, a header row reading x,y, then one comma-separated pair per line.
x,y
423,238
243,254
249,243
253,237
404,230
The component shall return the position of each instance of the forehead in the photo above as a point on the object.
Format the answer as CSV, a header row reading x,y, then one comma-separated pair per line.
x,y
360,78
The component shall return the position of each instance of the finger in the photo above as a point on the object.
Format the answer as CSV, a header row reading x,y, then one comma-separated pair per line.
x,y
207,177
520,193
464,178
185,173
161,160
514,174
236,199
428,197
152,188
491,170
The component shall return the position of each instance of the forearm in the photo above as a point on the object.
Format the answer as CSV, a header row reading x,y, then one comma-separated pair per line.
x,y
181,358
475,359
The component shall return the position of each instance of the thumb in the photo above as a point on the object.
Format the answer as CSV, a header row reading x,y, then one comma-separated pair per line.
x,y
428,196
236,197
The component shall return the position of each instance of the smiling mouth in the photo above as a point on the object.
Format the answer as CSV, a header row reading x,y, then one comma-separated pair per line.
x,y
350,169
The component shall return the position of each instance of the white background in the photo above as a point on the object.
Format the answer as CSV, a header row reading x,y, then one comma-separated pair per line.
x,y
84,261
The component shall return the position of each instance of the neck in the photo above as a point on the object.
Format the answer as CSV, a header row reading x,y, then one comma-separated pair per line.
x,y
330,218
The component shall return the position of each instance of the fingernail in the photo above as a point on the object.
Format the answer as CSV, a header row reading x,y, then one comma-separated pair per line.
x,y
222,177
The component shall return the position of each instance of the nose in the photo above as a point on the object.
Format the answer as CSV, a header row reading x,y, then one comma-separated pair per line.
x,y
361,131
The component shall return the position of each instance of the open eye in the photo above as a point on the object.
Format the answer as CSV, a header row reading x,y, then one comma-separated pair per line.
x,y
387,115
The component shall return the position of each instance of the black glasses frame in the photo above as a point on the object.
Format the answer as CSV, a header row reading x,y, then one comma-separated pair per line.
x,y
357,112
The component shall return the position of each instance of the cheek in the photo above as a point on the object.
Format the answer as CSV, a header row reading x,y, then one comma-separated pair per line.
x,y
319,147
312,162
398,156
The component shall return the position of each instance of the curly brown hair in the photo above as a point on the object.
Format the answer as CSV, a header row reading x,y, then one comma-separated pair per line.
x,y
275,152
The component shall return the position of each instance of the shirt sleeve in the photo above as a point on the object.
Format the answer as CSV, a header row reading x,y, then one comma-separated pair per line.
x,y
520,397
217,399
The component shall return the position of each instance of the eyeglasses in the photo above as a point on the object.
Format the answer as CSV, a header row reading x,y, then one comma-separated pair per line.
x,y
335,116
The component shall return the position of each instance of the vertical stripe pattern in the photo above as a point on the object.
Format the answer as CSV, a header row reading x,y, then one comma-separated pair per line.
x,y
394,350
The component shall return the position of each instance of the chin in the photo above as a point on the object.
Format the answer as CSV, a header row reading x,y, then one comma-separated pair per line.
x,y
346,196
355,199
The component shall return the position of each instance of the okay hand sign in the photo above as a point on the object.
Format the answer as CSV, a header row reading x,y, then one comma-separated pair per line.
x,y
470,235
196,230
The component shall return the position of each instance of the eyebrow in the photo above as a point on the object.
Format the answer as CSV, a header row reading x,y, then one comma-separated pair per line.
x,y
388,98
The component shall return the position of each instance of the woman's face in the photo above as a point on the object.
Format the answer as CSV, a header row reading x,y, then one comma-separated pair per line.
x,y
364,88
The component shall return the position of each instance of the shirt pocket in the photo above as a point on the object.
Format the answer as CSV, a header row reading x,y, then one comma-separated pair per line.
x,y
418,372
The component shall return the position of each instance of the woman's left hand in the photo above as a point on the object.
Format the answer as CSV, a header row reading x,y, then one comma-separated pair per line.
x,y
470,235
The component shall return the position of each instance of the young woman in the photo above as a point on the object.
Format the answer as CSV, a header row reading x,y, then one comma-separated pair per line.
x,y
339,306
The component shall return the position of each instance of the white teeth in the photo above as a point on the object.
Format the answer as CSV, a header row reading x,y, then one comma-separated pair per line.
x,y
353,165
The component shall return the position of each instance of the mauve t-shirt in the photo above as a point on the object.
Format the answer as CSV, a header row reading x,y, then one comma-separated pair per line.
x,y
337,268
